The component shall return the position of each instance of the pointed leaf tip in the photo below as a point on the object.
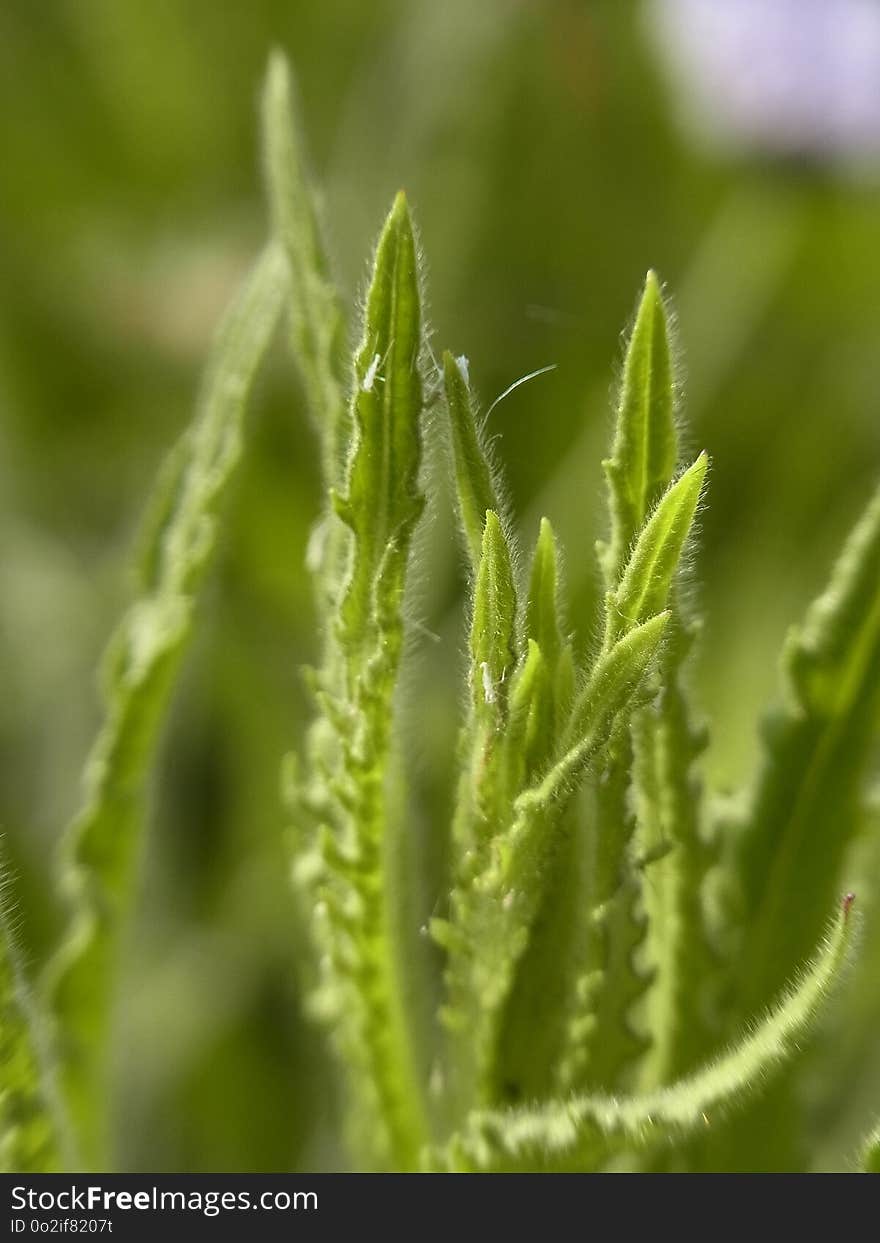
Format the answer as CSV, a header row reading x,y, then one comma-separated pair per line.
x,y
615,677
543,610
645,448
400,206
316,321
494,616
399,218
452,369
278,68
475,488
652,565
386,410
492,528
397,232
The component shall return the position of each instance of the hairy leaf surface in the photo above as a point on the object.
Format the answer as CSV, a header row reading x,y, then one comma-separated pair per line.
x,y
492,917
345,805
585,1131
29,1131
476,488
645,449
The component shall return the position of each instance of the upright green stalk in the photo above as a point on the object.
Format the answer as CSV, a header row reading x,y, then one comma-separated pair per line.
x,y
345,805
101,847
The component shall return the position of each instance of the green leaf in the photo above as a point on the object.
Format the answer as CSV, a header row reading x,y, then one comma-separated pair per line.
x,y
668,808
577,971
493,626
615,676
545,623
539,700
348,800
483,792
383,502
29,1130
804,808
601,1039
493,743
550,690
533,1027
529,723
475,486
100,847
650,522
317,335
647,577
597,709
543,608
584,1132
493,915
645,446
317,324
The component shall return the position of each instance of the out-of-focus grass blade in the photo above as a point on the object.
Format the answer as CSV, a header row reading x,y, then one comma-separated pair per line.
x,y
805,807
316,320
100,847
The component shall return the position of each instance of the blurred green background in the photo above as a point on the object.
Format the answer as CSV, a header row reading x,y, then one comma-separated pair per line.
x,y
538,145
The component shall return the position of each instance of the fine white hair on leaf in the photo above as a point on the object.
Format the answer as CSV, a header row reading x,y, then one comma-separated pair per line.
x,y
370,374
515,385
488,685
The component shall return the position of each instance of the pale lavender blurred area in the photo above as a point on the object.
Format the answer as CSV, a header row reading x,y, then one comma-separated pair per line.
x,y
782,77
